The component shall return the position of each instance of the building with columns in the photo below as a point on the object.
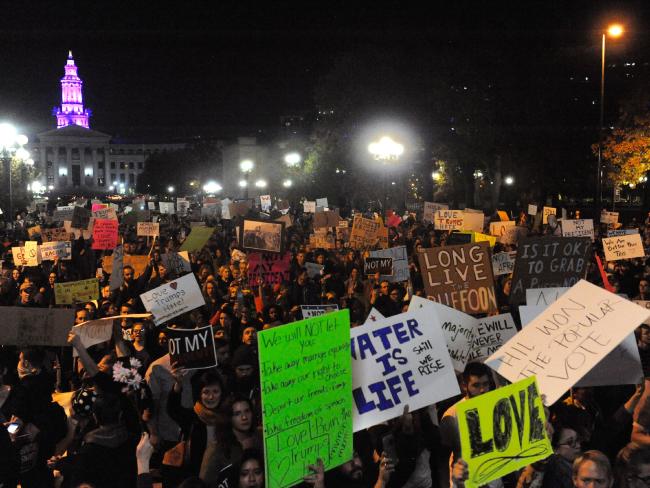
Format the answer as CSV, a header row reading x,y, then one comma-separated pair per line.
x,y
75,157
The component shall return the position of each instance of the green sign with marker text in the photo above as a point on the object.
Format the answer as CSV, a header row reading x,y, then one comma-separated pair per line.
x,y
306,379
502,431
199,237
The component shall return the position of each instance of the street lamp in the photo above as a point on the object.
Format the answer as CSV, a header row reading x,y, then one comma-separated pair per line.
x,y
170,189
287,183
614,31
246,166
292,159
385,150
509,180
260,183
212,187
11,147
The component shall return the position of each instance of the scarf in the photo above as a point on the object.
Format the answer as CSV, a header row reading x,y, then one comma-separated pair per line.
x,y
205,415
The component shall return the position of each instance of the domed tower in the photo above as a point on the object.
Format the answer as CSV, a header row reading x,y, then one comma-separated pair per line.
x,y
72,110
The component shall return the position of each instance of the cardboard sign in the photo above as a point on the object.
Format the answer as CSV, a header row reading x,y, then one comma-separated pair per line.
x,y
430,209
322,202
176,263
239,209
449,220
544,262
56,250
105,234
32,255
173,299
151,205
546,211
192,348
473,221
364,232
309,311
80,217
532,209
544,296
94,332
326,219
198,238
397,361
305,377
139,263
76,291
499,228
502,431
313,269
568,339
19,257
56,234
107,213
460,277
608,217
457,327
623,247
622,366
167,208
148,229
34,231
268,268
578,228
322,241
503,263
400,263
265,202
383,266
308,207
26,326
63,213
182,206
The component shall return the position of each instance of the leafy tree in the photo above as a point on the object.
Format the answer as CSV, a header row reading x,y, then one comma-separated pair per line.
x,y
627,150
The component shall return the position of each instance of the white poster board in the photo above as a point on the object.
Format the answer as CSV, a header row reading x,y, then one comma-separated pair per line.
x,y
623,247
173,299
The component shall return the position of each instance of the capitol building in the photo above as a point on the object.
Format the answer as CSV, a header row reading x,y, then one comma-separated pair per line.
x,y
75,157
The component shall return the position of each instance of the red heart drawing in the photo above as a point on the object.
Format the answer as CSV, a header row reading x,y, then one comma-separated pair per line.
x,y
173,284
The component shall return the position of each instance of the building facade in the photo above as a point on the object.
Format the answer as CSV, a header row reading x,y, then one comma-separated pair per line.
x,y
75,157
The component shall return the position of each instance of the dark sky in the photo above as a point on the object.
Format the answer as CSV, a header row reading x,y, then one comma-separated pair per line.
x,y
195,67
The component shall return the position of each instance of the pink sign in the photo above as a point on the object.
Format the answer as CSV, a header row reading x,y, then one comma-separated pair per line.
x,y
105,234
268,268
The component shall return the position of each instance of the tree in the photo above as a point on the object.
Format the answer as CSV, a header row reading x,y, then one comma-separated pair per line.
x,y
627,150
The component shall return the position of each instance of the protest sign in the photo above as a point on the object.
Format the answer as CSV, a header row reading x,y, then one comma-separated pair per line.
x,y
97,331
473,221
265,202
322,202
383,266
309,311
79,233
313,269
578,228
268,268
532,209
151,205
364,232
608,217
546,211
566,340
239,209
132,218
397,361
173,299
167,208
490,333
198,238
622,366
32,256
499,228
105,234
329,218
430,209
308,207
623,247
72,292
176,263
148,229
460,237
460,277
480,237
457,327
63,213
182,206
18,253
400,263
191,348
305,377
503,263
502,431
544,296
34,231
139,263
27,326
503,215
80,217
621,232
56,250
382,236
512,235
97,205
286,219
550,261
449,220
107,213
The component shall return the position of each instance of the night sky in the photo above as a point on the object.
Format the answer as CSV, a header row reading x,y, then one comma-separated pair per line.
x,y
217,68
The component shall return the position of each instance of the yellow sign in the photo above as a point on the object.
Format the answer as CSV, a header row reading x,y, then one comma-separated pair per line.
x,y
478,237
502,431
76,291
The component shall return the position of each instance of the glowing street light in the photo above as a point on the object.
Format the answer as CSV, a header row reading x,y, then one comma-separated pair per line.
x,y
436,175
287,183
292,159
212,187
11,147
508,180
243,183
170,189
384,150
246,166
261,184
615,30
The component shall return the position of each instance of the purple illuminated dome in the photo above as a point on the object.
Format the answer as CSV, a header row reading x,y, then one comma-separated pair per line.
x,y
72,110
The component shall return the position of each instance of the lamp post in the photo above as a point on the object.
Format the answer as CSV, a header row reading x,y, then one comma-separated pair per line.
x,y
246,166
11,147
614,31
386,150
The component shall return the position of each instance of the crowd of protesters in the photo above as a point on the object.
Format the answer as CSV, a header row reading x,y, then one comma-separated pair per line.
x,y
70,423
